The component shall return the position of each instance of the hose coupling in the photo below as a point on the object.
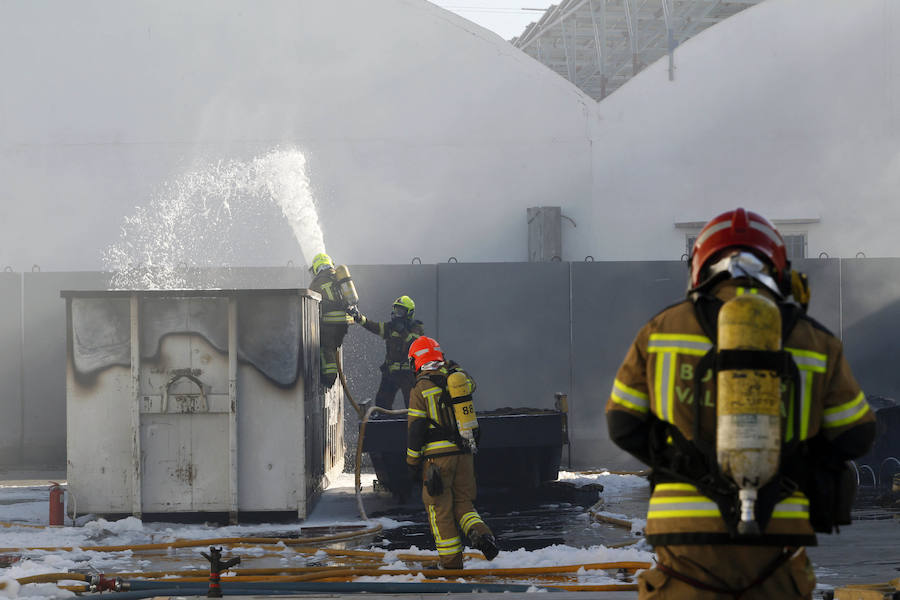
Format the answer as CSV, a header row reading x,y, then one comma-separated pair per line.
x,y
101,583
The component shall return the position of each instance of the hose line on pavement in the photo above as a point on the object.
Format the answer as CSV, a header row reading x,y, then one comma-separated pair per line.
x,y
234,541
359,451
286,575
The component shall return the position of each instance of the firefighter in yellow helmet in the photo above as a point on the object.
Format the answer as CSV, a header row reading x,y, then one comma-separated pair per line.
x,y
698,393
401,331
333,318
442,437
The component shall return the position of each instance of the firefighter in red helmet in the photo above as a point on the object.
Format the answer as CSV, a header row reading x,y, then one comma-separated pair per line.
x,y
442,436
683,402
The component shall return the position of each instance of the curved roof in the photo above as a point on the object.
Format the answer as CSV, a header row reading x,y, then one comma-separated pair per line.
x,y
409,116
791,108
600,44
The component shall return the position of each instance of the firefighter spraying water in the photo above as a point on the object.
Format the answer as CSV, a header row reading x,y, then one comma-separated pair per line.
x,y
338,297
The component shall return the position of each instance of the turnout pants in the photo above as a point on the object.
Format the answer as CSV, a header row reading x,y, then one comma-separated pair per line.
x,y
390,383
330,339
728,573
452,511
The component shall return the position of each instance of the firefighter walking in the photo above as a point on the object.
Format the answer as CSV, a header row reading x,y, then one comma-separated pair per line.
x,y
745,408
333,316
442,437
401,331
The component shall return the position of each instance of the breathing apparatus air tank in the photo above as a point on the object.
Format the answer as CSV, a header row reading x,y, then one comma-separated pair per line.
x,y
460,388
345,285
748,405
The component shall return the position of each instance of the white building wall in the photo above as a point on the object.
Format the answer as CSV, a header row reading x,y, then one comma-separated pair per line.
x,y
791,108
429,136
425,135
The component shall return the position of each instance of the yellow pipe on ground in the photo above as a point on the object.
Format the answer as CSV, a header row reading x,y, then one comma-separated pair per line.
x,y
313,573
211,542
53,578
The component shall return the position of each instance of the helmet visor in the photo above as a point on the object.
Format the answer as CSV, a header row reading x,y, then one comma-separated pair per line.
x,y
742,263
399,312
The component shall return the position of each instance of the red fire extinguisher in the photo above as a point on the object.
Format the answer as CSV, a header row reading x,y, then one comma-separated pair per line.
x,y
57,505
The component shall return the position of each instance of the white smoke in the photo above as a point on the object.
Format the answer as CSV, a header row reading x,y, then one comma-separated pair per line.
x,y
194,221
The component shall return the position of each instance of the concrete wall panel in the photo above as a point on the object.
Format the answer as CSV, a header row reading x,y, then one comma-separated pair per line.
x,y
11,414
44,423
610,302
871,322
825,289
508,323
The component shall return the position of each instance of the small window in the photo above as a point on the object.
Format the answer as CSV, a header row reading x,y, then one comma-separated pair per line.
x,y
795,244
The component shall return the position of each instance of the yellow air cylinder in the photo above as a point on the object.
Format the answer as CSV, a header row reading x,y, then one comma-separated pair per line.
x,y
346,285
460,388
748,405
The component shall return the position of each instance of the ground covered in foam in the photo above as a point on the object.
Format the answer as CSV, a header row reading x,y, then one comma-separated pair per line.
x,y
24,509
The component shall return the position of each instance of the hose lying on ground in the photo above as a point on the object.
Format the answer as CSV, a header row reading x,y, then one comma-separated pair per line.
x,y
359,451
165,589
212,542
552,576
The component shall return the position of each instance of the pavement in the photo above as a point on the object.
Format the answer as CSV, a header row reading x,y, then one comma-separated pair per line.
x,y
377,505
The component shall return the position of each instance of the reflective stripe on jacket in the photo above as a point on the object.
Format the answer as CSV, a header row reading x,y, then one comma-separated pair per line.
x,y
331,308
428,432
396,343
656,381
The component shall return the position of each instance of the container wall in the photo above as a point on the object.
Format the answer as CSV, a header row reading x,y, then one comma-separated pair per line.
x,y
271,444
185,402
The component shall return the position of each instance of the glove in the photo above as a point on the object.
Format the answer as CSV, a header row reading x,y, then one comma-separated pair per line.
x,y
353,311
415,473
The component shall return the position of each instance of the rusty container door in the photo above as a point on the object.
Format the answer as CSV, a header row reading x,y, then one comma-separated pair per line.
x,y
185,407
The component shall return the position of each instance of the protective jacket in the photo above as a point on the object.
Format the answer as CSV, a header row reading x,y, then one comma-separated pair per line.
x,y
397,342
431,429
652,411
332,310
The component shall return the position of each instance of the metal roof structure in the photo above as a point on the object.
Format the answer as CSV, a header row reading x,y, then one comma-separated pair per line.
x,y
600,44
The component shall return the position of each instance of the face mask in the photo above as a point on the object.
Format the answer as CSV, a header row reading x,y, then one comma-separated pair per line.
x,y
745,264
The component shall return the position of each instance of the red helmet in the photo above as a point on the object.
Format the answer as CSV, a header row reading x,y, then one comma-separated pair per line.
x,y
739,228
424,350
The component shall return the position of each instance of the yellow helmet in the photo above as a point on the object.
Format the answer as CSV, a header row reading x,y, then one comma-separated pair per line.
x,y
321,261
404,307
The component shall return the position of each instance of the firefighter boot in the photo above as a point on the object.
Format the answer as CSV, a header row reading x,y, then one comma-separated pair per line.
x,y
451,561
486,543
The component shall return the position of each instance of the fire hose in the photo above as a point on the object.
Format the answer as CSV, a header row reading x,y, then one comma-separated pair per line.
x,y
364,419
234,541
343,378
335,579
359,447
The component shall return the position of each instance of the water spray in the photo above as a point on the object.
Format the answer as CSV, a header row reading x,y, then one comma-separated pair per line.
x,y
191,222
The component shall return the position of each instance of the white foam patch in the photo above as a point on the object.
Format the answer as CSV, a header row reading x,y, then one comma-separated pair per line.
x,y
192,221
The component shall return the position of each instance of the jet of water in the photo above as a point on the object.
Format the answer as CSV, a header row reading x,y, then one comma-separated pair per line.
x,y
194,221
